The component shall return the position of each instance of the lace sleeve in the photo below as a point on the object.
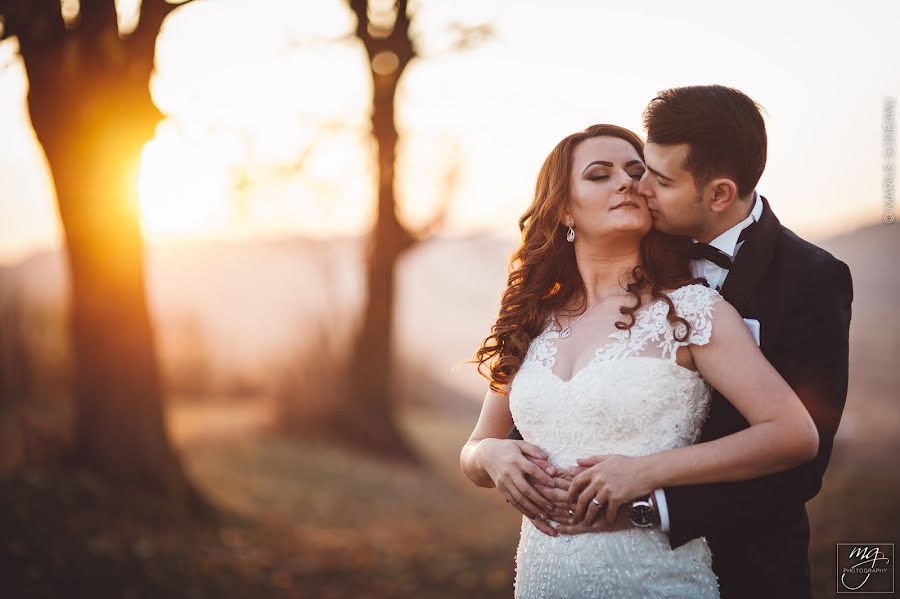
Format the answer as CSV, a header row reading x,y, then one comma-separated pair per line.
x,y
696,304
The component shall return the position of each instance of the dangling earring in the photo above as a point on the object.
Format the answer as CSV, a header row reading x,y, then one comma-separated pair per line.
x,y
570,236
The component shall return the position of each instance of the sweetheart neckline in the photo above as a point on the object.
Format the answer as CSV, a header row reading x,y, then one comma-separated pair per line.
x,y
595,362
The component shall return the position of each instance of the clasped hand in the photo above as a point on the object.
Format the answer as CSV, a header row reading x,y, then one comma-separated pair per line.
x,y
544,492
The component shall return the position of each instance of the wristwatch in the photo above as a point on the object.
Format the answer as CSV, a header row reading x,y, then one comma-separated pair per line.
x,y
643,512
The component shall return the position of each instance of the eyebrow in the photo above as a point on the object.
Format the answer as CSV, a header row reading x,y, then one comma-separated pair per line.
x,y
606,163
659,174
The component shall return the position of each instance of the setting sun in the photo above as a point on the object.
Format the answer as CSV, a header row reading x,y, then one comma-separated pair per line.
x,y
183,189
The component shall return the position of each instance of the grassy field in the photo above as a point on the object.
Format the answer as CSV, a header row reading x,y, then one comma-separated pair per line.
x,y
304,520
301,520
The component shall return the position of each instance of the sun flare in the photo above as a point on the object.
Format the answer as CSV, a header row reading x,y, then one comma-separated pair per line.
x,y
183,190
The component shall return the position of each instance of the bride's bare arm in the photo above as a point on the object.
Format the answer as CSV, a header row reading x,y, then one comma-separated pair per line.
x,y
489,459
781,435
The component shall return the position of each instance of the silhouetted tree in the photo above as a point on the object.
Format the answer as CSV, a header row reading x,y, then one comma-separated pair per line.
x,y
16,371
370,415
367,414
15,378
90,107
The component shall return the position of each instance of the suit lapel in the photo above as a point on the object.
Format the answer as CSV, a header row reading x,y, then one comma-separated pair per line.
x,y
753,260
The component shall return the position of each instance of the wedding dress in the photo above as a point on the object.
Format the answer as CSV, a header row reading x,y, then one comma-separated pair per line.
x,y
631,399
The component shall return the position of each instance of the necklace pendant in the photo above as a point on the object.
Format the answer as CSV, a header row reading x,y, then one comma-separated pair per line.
x,y
565,333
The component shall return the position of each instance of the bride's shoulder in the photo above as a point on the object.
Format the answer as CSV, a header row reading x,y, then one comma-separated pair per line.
x,y
694,297
697,304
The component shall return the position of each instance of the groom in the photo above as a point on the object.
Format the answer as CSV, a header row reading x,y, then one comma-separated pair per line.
x,y
705,153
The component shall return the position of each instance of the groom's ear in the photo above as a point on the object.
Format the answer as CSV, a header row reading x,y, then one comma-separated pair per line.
x,y
722,193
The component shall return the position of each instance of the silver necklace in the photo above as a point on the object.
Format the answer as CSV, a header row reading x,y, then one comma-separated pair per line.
x,y
567,330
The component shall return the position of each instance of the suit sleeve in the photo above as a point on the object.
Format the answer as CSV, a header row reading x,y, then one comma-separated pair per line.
x,y
813,357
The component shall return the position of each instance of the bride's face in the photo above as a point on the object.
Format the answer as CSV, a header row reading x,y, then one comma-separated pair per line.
x,y
602,190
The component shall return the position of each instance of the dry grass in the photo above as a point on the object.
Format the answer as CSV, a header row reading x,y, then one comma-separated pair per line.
x,y
426,526
406,513
301,519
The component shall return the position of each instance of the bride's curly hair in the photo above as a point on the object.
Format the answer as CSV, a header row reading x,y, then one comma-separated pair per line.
x,y
543,275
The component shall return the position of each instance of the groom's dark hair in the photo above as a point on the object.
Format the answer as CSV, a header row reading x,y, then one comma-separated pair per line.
x,y
722,126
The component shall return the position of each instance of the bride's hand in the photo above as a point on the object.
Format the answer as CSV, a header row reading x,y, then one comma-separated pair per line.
x,y
612,479
557,495
621,522
510,465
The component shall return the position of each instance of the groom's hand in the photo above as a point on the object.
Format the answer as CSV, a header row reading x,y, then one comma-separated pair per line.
x,y
561,511
610,481
556,494
553,471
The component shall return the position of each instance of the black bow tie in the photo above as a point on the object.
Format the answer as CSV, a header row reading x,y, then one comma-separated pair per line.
x,y
704,251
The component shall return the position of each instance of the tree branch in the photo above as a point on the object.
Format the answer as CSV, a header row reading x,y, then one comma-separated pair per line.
x,y
362,25
34,22
97,17
153,13
471,36
400,41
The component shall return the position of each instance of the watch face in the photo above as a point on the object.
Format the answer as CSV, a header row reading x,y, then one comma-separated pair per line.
x,y
642,515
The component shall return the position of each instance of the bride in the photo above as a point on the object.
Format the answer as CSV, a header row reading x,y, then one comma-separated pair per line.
x,y
605,348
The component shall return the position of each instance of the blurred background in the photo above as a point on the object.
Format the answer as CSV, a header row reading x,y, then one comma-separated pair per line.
x,y
248,247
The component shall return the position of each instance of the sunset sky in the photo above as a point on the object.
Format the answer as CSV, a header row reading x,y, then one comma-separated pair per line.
x,y
268,111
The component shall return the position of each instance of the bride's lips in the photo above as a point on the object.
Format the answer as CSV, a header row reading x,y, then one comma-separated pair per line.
x,y
626,203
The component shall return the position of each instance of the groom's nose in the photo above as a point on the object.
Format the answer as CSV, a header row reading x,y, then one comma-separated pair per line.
x,y
643,186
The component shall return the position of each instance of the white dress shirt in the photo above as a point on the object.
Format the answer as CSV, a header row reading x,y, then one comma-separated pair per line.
x,y
715,276
728,243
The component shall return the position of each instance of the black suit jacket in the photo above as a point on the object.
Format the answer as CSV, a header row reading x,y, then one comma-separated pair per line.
x,y
758,529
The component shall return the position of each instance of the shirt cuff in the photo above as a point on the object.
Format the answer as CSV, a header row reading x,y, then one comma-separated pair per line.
x,y
660,498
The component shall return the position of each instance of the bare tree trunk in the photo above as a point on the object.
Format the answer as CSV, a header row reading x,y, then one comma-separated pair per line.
x,y
15,380
91,109
370,418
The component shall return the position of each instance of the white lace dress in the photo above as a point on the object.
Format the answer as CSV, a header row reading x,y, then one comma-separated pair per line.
x,y
631,399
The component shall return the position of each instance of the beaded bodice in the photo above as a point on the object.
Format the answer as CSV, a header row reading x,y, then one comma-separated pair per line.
x,y
632,398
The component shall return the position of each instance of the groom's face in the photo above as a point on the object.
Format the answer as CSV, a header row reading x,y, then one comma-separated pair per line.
x,y
671,193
